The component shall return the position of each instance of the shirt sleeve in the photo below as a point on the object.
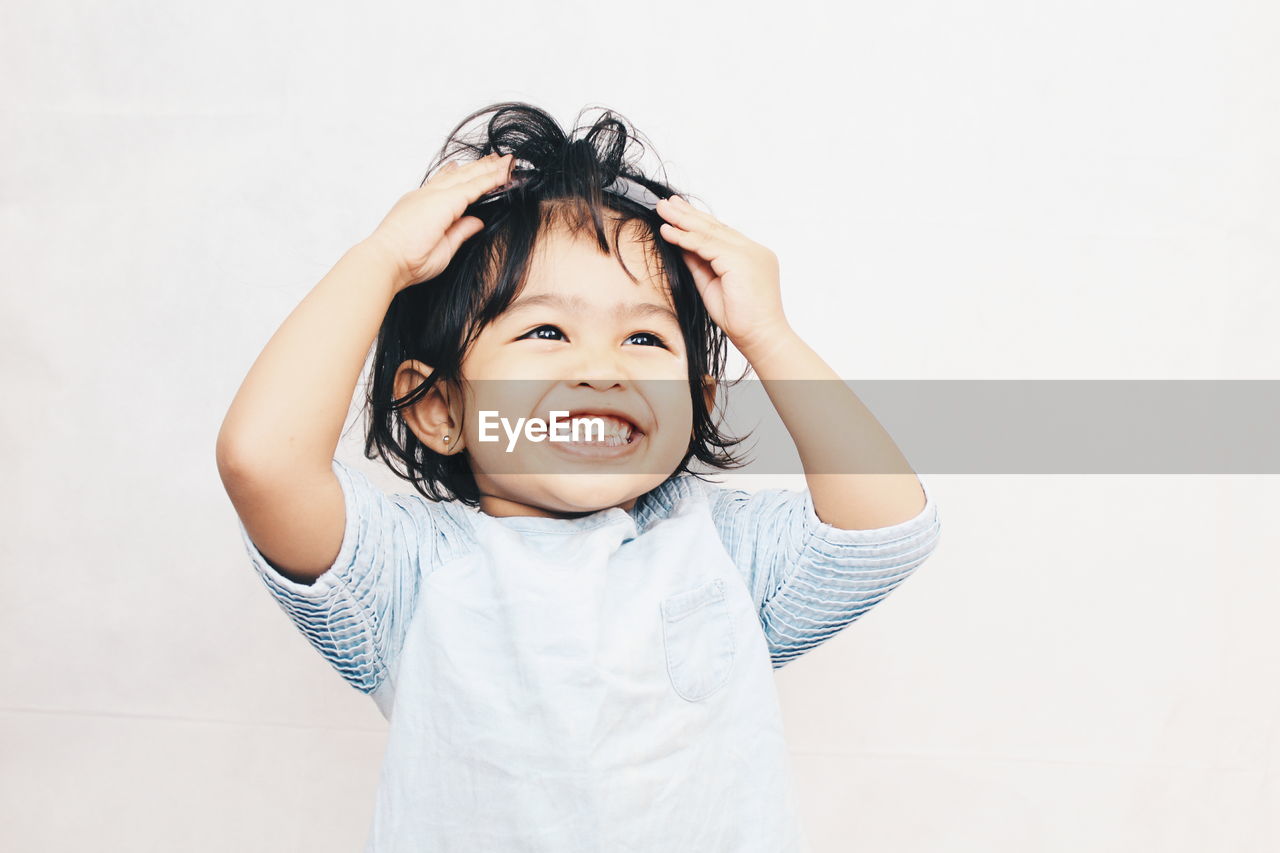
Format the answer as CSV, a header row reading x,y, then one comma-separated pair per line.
x,y
809,579
355,613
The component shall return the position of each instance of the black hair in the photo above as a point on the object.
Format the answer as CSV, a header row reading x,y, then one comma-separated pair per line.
x,y
559,180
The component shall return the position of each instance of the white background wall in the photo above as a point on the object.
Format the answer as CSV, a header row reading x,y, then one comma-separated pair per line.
x,y
982,190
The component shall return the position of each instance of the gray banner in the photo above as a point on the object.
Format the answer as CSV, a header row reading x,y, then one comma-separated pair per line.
x,y
965,426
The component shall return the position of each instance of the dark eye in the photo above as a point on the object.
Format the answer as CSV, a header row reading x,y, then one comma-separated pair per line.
x,y
657,341
533,333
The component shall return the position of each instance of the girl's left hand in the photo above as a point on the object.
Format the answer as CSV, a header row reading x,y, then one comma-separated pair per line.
x,y
738,278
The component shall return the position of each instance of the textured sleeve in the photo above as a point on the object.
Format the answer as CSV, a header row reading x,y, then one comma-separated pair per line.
x,y
808,578
356,612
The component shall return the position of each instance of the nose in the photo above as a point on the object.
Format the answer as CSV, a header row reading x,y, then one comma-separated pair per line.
x,y
598,384
599,367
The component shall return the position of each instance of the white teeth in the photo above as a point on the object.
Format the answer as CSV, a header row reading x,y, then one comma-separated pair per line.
x,y
615,431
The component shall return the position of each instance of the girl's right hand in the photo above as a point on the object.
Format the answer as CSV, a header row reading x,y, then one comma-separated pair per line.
x,y
424,229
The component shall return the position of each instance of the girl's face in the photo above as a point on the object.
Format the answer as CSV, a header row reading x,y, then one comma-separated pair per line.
x,y
580,337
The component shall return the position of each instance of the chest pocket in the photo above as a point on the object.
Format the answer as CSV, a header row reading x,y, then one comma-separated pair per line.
x,y
697,634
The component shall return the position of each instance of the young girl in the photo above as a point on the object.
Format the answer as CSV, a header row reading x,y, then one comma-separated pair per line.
x,y
573,640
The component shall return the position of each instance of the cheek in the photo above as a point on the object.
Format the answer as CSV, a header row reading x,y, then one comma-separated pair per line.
x,y
508,398
676,419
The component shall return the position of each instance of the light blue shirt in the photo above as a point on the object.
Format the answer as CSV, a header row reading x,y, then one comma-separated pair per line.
x,y
597,683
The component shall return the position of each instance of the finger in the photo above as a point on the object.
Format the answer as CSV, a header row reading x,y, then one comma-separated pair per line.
x,y
496,173
443,172
462,230
482,182
687,217
702,272
461,173
703,243
456,172
434,179
677,210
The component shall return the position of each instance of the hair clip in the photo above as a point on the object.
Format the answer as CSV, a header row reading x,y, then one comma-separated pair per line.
x,y
637,192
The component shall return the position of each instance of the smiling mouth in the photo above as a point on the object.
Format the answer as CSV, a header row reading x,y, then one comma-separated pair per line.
x,y
617,430
621,438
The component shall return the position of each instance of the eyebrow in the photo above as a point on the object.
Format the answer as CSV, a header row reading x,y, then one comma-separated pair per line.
x,y
621,311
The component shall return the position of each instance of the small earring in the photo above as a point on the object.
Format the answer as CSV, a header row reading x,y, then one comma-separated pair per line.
x,y
446,438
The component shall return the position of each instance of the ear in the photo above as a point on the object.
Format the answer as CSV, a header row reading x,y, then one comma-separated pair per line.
x,y
708,395
709,392
432,417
